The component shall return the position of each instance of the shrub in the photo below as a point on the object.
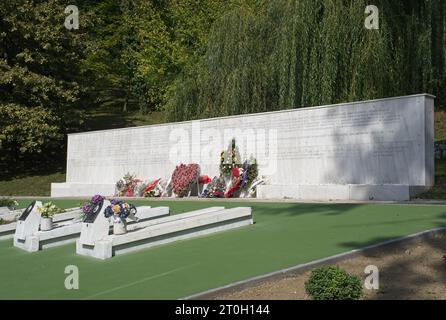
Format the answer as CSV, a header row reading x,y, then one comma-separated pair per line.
x,y
333,283
10,203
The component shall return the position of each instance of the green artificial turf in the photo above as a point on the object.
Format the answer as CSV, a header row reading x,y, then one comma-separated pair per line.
x,y
284,235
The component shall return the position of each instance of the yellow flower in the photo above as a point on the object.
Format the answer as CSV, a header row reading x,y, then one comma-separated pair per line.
x,y
116,209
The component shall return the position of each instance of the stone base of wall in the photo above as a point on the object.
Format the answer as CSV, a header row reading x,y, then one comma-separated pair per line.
x,y
352,192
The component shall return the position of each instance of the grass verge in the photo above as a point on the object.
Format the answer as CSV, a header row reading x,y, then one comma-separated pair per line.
x,y
284,235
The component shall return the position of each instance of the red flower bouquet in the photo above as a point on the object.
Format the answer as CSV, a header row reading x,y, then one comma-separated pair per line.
x,y
150,191
204,180
183,177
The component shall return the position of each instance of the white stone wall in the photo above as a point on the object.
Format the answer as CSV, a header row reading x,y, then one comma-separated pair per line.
x,y
386,141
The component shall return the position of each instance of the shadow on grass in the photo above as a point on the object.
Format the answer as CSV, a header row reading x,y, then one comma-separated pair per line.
x,y
362,244
304,208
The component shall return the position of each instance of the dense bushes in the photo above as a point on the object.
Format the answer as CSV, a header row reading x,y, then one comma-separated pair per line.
x,y
207,58
39,82
333,283
286,53
29,136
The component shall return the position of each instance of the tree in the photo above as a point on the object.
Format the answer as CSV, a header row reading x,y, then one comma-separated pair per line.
x,y
271,55
39,81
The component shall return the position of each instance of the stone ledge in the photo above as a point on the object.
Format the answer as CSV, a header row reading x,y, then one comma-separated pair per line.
x,y
354,192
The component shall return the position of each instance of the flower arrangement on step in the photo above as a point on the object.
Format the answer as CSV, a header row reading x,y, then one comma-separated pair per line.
x,y
203,182
184,177
145,187
152,189
126,186
229,159
249,175
236,180
86,207
238,176
47,211
118,212
215,189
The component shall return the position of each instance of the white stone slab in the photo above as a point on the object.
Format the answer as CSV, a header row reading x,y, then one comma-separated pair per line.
x,y
11,215
176,217
4,210
378,142
68,231
167,230
7,230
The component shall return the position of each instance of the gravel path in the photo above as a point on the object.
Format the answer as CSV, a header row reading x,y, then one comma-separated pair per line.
x,y
407,271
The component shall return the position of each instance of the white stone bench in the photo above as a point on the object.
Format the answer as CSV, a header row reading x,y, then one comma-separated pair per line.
x,y
7,230
165,230
4,211
68,231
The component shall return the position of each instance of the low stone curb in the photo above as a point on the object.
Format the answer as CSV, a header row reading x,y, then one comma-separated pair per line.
x,y
285,273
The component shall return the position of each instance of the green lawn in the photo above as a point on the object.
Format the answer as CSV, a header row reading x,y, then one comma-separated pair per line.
x,y
33,185
284,235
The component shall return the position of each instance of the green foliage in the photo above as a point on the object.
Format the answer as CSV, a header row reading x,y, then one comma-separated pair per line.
x,y
139,47
333,283
190,59
28,132
273,55
8,202
39,80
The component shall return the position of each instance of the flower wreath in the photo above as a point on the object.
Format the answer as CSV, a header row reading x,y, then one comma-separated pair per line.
x,y
215,189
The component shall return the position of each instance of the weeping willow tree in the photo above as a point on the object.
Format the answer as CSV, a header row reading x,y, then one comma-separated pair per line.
x,y
272,55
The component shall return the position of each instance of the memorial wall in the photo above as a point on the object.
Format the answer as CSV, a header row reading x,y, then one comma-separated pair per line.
x,y
372,150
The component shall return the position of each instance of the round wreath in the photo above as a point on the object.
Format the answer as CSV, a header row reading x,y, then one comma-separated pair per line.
x,y
183,177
